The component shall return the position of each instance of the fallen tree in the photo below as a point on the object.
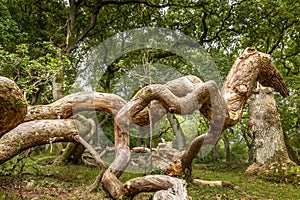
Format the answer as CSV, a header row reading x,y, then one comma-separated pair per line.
x,y
181,96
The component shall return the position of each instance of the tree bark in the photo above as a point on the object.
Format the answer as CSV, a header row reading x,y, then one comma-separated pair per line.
x,y
166,188
13,105
34,133
81,101
271,160
215,153
181,96
250,67
227,149
215,183
264,122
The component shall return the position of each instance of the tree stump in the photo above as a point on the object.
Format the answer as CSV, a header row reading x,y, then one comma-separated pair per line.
x,y
271,160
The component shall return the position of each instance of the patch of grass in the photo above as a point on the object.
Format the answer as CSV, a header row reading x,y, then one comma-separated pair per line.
x,y
71,181
249,186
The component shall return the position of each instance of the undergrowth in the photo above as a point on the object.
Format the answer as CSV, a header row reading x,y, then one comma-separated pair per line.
x,y
37,180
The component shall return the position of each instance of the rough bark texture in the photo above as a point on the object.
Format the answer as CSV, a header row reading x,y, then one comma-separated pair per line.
x,y
81,101
223,110
215,183
34,133
271,160
181,96
13,105
264,122
166,188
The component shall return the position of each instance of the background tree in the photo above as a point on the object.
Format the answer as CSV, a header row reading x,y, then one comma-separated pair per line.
x,y
70,29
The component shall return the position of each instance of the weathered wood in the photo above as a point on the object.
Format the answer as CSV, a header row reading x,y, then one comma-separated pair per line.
x,y
179,87
166,187
173,104
271,160
215,183
181,96
74,150
90,149
81,101
13,105
264,122
251,66
223,110
39,132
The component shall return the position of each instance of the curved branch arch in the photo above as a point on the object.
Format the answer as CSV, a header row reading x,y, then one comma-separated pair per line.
x,y
181,96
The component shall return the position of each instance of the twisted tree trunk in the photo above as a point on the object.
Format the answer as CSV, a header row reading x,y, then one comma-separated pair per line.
x,y
181,96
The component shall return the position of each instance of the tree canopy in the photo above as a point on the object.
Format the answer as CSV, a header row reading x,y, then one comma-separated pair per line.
x,y
43,43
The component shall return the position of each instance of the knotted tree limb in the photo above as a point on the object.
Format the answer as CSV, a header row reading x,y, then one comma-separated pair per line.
x,y
166,187
251,66
173,104
189,94
81,101
39,132
223,110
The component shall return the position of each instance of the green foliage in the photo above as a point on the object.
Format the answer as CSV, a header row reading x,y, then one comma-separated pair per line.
x,y
224,28
10,32
60,182
33,75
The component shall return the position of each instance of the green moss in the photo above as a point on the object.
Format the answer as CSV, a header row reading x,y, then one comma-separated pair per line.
x,y
279,169
19,104
145,92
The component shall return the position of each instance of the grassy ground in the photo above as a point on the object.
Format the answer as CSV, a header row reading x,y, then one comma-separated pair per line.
x,y
70,182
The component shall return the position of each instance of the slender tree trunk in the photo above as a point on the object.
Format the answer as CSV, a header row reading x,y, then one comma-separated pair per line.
x,y
180,139
227,149
249,142
57,85
298,127
293,155
215,155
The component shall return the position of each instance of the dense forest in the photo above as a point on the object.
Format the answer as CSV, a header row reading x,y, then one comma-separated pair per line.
x,y
120,68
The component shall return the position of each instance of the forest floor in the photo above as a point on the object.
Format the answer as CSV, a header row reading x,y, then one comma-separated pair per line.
x,y
40,181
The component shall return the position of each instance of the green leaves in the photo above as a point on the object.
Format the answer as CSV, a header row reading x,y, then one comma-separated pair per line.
x,y
33,74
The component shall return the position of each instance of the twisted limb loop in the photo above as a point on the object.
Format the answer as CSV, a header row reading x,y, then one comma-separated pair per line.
x,y
204,93
180,96
222,109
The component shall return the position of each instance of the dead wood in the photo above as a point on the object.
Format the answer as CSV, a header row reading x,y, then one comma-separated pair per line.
x,y
166,187
215,184
81,101
181,96
222,109
271,160
39,132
